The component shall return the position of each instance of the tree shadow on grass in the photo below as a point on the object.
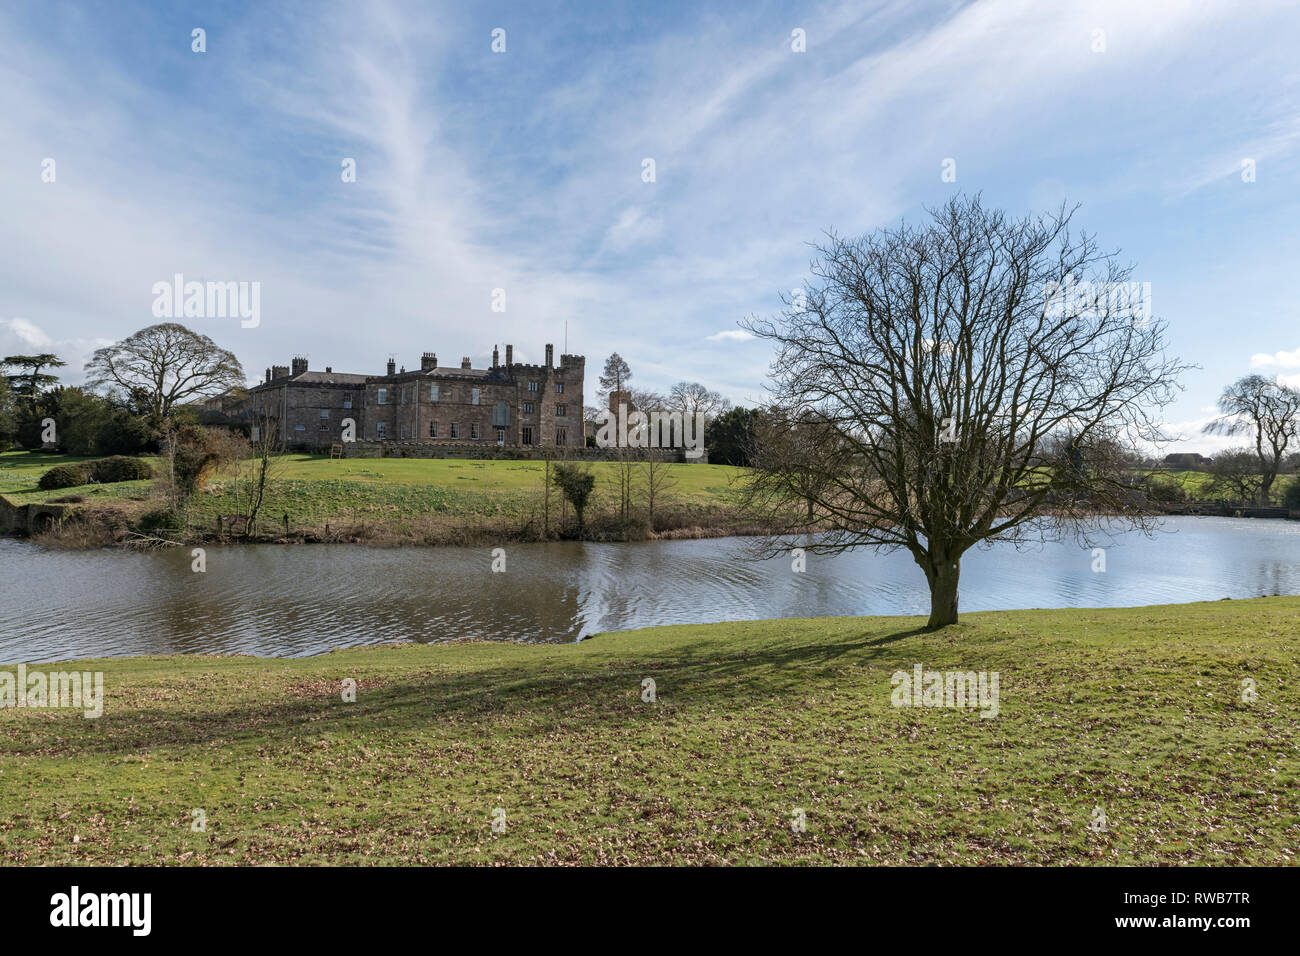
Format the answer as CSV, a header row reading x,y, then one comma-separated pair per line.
x,y
582,694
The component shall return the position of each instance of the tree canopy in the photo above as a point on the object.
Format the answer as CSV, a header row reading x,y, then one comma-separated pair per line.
x,y
165,365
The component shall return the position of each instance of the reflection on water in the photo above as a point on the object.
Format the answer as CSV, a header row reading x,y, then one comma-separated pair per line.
x,y
271,600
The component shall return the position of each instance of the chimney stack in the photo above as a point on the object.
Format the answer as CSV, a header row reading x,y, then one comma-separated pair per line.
x,y
428,361
299,365
496,357
550,355
268,375
392,367
464,361
329,370
510,355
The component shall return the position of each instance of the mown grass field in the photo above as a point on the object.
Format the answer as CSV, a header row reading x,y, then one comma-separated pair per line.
x,y
1138,712
393,492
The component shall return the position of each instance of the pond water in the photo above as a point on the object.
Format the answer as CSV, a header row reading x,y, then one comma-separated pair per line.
x,y
297,600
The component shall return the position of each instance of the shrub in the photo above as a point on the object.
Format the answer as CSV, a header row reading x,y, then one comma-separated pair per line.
x,y
161,519
575,483
1291,495
119,468
1164,489
65,476
613,528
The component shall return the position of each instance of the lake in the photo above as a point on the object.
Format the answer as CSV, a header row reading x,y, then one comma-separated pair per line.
x,y
307,599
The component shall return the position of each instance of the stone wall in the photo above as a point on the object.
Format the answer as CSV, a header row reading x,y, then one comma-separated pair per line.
x,y
519,403
297,406
490,450
24,519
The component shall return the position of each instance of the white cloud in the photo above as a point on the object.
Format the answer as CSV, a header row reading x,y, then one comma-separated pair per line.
x,y
28,333
1284,359
730,335
22,337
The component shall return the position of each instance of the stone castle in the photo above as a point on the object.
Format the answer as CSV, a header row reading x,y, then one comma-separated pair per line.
x,y
512,404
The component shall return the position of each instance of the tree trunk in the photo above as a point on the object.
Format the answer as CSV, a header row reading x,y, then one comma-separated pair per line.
x,y
1266,487
943,594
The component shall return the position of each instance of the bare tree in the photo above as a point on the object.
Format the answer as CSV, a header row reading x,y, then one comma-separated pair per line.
x,y
952,395
268,447
622,477
1266,409
164,365
800,455
1235,474
692,398
657,482
647,400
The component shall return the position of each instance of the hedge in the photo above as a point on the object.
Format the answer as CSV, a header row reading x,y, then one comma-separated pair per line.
x,y
102,470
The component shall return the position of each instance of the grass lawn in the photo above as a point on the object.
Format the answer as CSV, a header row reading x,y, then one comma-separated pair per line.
x,y
392,492
1136,711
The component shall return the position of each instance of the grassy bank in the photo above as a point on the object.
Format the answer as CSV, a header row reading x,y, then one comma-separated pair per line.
x,y
395,500
1136,711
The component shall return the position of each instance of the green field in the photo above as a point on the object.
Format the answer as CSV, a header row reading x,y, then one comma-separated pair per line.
x,y
1137,713
403,495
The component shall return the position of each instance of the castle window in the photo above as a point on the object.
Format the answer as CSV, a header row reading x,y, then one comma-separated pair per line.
x,y
559,436
500,414
501,436
455,429
473,430
324,419
560,410
433,429
559,388
381,430
404,433
473,396
533,387
383,396
528,435
433,393
347,403
528,408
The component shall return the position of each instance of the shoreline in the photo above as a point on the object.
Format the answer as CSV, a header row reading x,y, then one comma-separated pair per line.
x,y
865,620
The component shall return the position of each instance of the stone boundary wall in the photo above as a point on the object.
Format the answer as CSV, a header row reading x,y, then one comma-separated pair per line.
x,y
489,451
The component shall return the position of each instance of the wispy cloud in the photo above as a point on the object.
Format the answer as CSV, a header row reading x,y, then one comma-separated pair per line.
x,y
730,335
523,171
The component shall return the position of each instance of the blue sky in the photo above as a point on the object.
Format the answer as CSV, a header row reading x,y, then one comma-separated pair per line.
x,y
522,170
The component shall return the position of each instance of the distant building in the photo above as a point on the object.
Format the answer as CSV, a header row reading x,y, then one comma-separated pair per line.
x,y
1186,460
511,404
